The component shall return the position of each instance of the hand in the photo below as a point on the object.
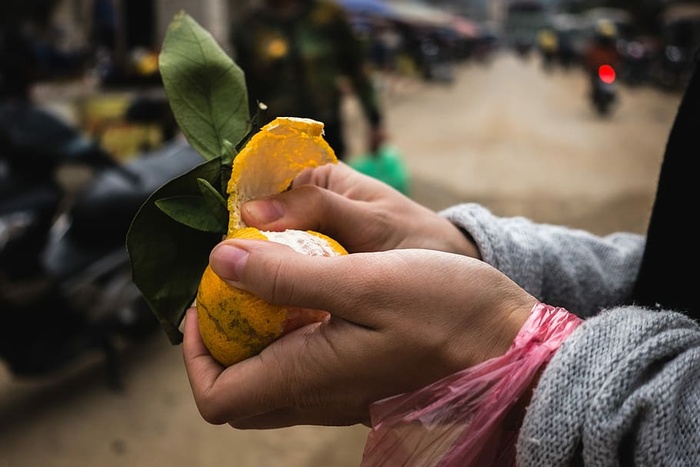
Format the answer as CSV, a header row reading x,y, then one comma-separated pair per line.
x,y
362,213
397,321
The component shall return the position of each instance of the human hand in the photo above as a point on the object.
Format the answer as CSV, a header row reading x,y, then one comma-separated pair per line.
x,y
398,321
362,213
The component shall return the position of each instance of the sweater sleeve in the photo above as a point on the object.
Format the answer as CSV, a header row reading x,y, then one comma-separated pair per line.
x,y
623,389
560,266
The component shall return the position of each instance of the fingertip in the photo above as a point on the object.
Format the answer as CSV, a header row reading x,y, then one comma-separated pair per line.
x,y
262,212
190,329
227,260
190,318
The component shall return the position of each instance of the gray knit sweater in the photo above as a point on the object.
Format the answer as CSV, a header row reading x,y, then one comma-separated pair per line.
x,y
624,388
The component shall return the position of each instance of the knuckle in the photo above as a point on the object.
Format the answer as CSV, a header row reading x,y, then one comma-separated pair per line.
x,y
312,194
279,290
209,410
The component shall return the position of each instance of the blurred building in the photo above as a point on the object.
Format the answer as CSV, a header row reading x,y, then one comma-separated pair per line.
x,y
142,23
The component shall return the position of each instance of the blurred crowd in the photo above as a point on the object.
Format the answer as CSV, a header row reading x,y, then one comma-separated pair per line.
x,y
422,43
35,45
661,57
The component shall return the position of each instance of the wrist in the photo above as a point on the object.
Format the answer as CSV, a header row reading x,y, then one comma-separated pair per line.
x,y
499,332
469,416
460,242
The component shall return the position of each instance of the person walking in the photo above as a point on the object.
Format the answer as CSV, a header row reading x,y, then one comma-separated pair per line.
x,y
299,58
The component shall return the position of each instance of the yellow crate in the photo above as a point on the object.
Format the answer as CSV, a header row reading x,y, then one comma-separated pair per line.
x,y
125,140
103,119
101,110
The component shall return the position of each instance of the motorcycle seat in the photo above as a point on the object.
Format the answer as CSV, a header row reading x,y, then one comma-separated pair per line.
x,y
33,138
102,213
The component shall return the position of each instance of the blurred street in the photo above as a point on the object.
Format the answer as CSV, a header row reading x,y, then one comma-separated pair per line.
x,y
504,133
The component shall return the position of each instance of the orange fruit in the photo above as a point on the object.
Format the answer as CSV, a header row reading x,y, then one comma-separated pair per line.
x,y
235,324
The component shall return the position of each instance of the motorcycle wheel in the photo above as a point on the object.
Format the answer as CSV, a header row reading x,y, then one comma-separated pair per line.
x,y
602,107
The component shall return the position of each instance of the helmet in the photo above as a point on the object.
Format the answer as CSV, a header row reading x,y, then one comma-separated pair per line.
x,y
606,29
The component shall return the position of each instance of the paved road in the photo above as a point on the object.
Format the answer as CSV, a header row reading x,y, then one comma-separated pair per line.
x,y
523,142
506,135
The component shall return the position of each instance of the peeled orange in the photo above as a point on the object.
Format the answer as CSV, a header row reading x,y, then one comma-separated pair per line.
x,y
235,324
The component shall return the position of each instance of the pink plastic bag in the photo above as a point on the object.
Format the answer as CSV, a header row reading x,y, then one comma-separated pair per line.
x,y
470,418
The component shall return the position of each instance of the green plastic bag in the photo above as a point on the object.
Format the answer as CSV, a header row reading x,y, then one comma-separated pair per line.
x,y
387,165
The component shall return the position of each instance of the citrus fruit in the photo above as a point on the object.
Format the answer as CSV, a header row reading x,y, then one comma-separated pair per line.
x,y
235,324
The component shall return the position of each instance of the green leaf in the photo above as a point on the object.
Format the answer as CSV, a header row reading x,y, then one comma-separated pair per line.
x,y
195,212
174,231
229,152
205,88
167,257
217,203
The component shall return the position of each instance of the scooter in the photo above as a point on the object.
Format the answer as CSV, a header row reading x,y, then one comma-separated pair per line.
x,y
604,89
65,278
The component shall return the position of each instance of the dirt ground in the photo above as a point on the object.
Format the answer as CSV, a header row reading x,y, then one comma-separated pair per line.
x,y
503,134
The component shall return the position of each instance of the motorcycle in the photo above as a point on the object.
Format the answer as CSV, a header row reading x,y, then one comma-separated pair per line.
x,y
604,89
65,278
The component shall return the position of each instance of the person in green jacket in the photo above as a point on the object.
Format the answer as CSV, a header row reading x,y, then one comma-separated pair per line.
x,y
299,57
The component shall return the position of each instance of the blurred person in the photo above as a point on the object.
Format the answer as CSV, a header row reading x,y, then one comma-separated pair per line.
x,y
548,45
601,48
566,53
299,58
429,297
30,51
104,24
19,67
385,45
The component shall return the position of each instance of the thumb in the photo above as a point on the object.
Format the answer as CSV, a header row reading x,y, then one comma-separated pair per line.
x,y
276,273
307,207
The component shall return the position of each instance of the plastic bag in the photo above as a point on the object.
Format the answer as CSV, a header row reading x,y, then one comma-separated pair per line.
x,y
386,165
470,418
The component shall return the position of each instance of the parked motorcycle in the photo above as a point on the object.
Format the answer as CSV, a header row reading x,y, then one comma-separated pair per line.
x,y
604,89
65,278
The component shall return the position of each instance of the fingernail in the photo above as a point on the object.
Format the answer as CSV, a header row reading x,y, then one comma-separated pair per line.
x,y
228,261
264,211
